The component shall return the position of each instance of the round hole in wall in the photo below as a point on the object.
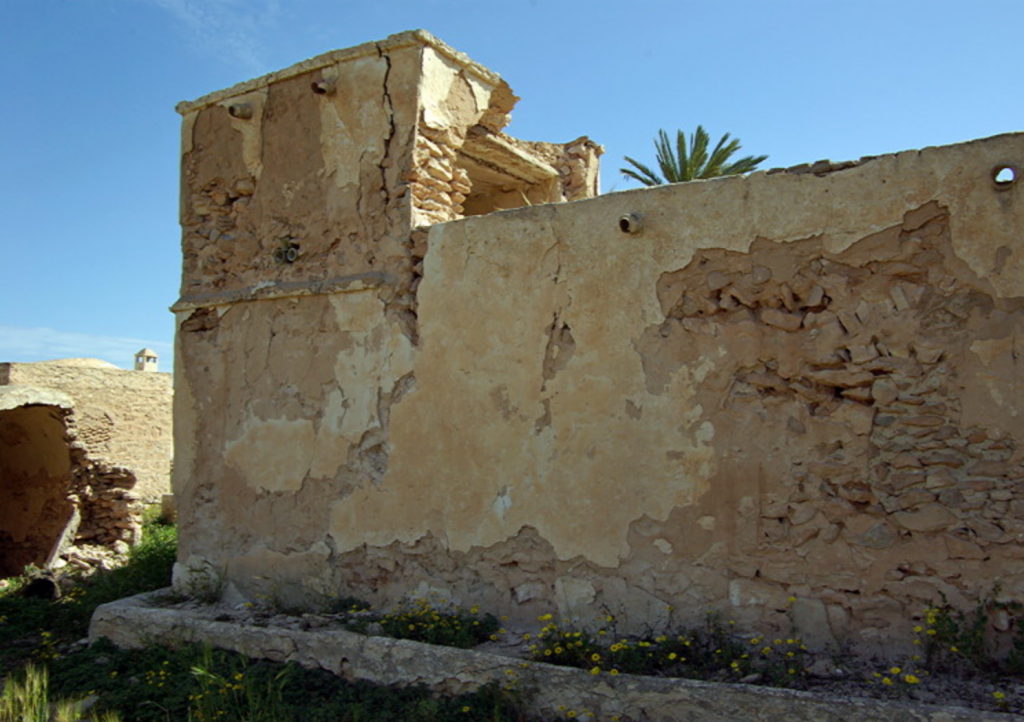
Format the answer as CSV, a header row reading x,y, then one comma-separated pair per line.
x,y
630,223
323,87
1004,176
242,111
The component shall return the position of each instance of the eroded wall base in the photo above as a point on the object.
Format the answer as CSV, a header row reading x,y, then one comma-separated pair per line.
x,y
792,395
548,690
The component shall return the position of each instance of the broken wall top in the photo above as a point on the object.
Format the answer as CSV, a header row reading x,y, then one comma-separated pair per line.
x,y
312,179
398,41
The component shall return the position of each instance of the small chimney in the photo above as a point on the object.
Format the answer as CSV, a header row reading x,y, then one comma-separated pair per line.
x,y
146,360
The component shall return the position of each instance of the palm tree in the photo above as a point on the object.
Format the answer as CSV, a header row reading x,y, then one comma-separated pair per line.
x,y
678,165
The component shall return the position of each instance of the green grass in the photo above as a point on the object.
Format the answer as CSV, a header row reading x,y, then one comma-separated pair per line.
x,y
195,684
709,652
32,628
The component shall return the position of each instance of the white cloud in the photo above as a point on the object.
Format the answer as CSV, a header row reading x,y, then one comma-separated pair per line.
x,y
46,344
228,29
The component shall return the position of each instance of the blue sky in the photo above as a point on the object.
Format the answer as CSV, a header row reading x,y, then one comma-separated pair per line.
x,y
89,137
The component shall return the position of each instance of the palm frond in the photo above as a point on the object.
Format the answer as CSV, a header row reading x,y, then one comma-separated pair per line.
x,y
691,161
645,175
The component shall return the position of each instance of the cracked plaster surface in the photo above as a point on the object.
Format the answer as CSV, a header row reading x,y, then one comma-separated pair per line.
x,y
534,408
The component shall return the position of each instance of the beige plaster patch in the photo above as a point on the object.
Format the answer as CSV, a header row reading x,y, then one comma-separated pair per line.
x,y
273,455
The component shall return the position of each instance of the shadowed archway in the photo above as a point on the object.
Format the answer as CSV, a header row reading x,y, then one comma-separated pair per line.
x,y
36,515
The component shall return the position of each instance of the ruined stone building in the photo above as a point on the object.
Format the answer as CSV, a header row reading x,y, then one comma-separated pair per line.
x,y
792,394
84,446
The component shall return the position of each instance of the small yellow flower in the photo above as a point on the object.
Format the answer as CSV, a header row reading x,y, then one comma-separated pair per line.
x,y
672,656
595,671
910,679
614,672
544,618
886,681
895,670
954,649
999,695
918,629
595,657
465,709
571,714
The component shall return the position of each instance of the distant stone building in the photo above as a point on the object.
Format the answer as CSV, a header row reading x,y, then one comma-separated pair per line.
x,y
84,447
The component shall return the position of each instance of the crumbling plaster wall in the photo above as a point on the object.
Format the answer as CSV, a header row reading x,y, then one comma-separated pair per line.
x,y
794,384
122,418
58,504
288,365
786,385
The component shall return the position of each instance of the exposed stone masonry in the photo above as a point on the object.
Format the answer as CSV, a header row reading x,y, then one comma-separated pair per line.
x,y
59,505
790,385
84,447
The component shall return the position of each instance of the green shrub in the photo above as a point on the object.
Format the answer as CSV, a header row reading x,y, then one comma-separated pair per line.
x,y
26,698
712,651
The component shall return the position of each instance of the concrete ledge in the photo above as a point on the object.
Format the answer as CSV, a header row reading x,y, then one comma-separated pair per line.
x,y
133,623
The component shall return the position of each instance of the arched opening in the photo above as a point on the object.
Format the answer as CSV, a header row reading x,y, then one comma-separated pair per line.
x,y
36,515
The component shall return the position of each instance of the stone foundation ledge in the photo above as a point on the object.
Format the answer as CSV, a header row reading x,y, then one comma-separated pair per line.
x,y
136,623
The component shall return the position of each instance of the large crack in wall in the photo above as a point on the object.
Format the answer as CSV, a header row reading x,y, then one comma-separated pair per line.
x,y
790,384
